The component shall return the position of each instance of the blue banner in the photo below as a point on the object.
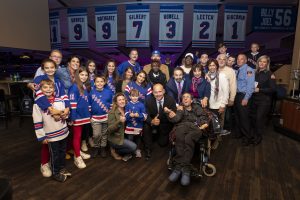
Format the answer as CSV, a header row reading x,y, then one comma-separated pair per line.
x,y
274,19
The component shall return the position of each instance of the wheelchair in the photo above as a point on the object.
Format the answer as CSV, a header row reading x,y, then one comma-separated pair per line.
x,y
204,167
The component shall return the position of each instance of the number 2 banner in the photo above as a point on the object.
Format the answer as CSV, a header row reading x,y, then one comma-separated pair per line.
x,y
205,26
171,26
235,19
78,28
55,38
137,26
106,26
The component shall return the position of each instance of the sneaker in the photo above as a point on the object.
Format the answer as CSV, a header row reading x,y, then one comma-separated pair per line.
x,y
138,153
185,179
174,175
103,153
114,154
79,162
84,146
127,157
225,132
85,156
60,177
46,171
64,171
91,142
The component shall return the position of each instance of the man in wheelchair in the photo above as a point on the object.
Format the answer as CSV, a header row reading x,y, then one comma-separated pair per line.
x,y
190,121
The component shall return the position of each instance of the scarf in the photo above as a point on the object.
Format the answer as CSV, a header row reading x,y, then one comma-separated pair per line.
x,y
215,76
195,82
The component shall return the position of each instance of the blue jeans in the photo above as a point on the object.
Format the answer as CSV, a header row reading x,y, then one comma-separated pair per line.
x,y
127,147
58,153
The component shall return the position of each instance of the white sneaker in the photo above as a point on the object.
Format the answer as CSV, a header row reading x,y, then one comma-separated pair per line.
x,y
85,156
46,171
138,153
91,142
84,146
79,162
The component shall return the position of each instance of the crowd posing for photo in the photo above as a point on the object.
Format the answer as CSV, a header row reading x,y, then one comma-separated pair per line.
x,y
129,107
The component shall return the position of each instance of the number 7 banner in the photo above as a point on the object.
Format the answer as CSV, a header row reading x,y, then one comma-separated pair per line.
x,y
171,26
78,28
137,26
55,30
235,25
106,26
205,26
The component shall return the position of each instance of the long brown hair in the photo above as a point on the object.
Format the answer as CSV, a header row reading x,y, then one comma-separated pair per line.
x,y
115,106
145,83
78,82
115,74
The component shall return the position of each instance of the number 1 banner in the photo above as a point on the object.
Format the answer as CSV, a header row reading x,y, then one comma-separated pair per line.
x,y
137,25
235,26
78,28
205,26
171,26
106,26
55,37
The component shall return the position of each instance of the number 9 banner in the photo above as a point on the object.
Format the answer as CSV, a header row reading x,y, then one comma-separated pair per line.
x,y
171,26
78,28
235,19
106,26
137,26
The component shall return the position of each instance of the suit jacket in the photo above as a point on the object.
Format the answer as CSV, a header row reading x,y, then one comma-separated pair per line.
x,y
171,88
152,111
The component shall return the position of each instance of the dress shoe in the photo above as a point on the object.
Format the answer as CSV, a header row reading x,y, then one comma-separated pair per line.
x,y
102,152
94,152
246,142
174,175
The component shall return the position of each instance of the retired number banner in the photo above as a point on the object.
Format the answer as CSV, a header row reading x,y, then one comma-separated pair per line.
x,y
205,26
55,37
106,26
235,25
137,26
171,26
78,28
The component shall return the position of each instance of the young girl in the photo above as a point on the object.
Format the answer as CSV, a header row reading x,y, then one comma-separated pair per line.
x,y
80,114
199,88
100,100
52,131
50,67
141,84
135,116
128,76
111,75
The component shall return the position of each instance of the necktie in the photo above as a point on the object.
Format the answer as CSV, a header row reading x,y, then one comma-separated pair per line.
x,y
179,91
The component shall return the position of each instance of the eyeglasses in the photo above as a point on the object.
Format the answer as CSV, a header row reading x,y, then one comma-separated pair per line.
x,y
59,57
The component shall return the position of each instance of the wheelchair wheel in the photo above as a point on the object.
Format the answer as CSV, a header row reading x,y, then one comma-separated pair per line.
x,y
209,169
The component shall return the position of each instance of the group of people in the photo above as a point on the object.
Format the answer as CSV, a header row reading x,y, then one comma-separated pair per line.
x,y
128,106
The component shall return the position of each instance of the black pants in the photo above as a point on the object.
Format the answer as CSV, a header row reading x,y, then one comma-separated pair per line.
x,y
242,117
135,138
259,109
163,131
57,155
187,134
228,121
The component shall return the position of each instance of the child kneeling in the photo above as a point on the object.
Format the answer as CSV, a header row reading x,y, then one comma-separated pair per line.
x,y
52,130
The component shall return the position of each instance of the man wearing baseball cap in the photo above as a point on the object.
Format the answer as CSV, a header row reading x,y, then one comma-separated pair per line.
x,y
164,68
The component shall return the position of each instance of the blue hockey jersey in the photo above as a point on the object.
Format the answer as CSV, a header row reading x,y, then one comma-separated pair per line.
x,y
135,124
144,91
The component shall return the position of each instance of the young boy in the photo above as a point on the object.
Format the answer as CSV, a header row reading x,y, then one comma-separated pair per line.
x,y
253,55
135,116
52,131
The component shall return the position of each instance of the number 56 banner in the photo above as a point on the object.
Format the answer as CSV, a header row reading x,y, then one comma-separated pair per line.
x,y
171,26
78,28
235,18
137,26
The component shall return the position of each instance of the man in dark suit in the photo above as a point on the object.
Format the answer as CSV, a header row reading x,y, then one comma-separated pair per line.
x,y
157,120
178,84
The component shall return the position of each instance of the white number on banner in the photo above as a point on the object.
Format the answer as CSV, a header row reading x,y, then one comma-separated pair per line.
x,y
283,17
172,29
204,26
106,28
139,25
78,31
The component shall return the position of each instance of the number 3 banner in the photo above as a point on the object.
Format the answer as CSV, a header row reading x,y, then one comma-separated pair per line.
x,y
205,26
235,18
55,30
106,26
78,28
137,26
171,26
